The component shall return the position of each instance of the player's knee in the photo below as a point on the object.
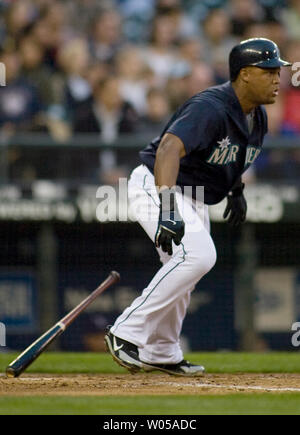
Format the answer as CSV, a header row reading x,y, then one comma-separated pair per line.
x,y
207,261
204,260
210,259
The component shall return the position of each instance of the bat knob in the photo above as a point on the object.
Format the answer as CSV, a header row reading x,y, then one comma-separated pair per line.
x,y
116,275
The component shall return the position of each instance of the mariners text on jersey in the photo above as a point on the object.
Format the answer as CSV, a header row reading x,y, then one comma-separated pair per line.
x,y
218,144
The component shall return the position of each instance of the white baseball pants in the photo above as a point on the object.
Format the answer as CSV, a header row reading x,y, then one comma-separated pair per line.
x,y
154,320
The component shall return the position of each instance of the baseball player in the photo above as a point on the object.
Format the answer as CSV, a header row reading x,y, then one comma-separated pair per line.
x,y
210,141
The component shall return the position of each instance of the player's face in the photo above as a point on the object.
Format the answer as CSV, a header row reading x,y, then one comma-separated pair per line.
x,y
264,85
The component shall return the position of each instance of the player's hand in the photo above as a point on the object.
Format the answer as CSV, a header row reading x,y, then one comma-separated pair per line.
x,y
236,210
170,224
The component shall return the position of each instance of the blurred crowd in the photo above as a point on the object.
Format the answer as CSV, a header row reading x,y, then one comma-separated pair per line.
x,y
123,66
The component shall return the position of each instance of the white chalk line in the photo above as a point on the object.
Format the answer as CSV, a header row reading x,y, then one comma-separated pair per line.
x,y
232,387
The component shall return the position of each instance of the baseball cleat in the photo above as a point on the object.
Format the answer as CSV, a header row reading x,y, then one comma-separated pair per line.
x,y
183,368
124,353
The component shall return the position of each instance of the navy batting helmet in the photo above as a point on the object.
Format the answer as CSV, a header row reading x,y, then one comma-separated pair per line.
x,y
259,52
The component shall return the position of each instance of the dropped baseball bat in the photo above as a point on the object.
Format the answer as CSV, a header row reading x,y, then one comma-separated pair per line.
x,y
30,354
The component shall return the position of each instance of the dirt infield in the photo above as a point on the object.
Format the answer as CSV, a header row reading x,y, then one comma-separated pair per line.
x,y
147,384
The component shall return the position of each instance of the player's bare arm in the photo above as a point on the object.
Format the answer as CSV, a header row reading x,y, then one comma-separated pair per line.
x,y
169,153
170,226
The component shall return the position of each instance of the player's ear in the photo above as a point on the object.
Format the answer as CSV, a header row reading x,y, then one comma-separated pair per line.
x,y
245,74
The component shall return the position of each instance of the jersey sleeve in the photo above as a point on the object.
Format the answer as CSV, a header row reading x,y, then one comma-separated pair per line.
x,y
197,125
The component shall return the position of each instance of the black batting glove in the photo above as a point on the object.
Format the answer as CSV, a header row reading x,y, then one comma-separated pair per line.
x,y
170,224
236,209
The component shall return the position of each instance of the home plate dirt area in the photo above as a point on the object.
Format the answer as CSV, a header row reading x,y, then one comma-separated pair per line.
x,y
147,384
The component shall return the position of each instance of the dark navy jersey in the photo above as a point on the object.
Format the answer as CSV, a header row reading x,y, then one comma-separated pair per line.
x,y
218,145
